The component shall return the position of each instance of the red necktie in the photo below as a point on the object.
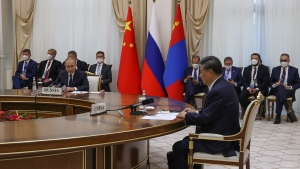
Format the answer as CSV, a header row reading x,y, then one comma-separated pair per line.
x,y
47,70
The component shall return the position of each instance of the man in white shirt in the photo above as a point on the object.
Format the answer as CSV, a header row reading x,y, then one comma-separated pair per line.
x,y
48,69
25,72
284,82
100,68
192,81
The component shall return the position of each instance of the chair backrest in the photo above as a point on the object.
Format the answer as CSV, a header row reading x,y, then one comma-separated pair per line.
x,y
94,82
249,118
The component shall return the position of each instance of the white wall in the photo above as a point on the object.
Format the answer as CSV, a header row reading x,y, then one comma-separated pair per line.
x,y
6,43
165,10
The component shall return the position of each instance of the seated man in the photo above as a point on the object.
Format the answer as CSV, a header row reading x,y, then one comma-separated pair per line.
x,y
25,72
81,65
192,81
72,78
48,69
232,74
255,80
100,68
284,82
220,115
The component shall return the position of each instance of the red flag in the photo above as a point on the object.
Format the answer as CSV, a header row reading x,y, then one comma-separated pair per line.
x,y
129,79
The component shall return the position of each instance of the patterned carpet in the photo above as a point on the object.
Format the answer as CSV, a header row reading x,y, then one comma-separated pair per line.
x,y
272,146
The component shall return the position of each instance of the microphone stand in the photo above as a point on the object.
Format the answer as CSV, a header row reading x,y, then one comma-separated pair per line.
x,y
134,112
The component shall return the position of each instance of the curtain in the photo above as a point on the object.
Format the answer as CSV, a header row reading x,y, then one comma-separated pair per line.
x,y
139,12
83,26
194,13
229,31
282,34
23,12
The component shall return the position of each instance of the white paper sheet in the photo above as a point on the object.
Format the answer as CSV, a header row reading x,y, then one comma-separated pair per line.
x,y
170,116
79,92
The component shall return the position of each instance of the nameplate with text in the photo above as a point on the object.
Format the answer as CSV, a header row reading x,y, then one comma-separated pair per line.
x,y
51,91
98,108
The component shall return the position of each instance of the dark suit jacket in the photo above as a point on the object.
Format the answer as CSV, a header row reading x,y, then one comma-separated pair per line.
x,y
30,71
262,78
292,80
106,75
236,76
188,72
80,80
53,72
81,65
220,115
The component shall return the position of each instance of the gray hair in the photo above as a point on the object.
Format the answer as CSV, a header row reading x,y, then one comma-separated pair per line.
x,y
52,51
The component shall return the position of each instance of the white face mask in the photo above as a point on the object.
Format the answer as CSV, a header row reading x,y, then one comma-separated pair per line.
x,y
100,60
254,62
195,66
25,57
228,67
284,64
49,57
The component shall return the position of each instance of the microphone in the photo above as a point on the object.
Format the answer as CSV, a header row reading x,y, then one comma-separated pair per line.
x,y
144,102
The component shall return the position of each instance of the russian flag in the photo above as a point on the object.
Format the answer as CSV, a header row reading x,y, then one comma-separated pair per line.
x,y
153,69
177,60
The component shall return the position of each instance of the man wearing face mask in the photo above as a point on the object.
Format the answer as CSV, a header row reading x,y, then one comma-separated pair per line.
x,y
48,69
192,81
81,65
25,72
284,82
255,80
232,74
100,68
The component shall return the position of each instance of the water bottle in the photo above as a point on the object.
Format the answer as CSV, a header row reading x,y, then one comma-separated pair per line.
x,y
142,107
34,85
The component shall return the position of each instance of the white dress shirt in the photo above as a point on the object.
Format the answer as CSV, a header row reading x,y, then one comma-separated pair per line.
x,y
98,65
197,71
255,77
209,87
24,64
286,76
45,71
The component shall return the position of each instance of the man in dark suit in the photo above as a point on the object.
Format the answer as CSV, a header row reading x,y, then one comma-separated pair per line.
x,y
81,65
49,69
25,72
255,80
232,74
100,68
284,82
72,78
192,81
220,115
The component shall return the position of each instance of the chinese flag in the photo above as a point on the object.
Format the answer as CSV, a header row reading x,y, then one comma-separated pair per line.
x,y
129,79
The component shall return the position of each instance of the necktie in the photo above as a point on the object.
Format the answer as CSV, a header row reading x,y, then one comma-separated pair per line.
x,y
25,66
47,70
254,73
282,77
227,74
98,70
71,81
195,75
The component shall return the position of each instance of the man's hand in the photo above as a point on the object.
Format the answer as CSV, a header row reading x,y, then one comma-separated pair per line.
x,y
253,91
40,79
181,114
46,80
196,82
188,78
190,110
287,87
277,83
70,89
250,90
231,82
23,77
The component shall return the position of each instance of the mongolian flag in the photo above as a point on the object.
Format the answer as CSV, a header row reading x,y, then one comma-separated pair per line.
x,y
177,60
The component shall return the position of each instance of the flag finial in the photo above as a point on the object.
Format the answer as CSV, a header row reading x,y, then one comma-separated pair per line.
x,y
154,1
129,1
179,1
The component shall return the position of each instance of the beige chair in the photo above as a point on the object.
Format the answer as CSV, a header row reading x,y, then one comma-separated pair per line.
x,y
94,81
272,99
263,105
201,96
244,136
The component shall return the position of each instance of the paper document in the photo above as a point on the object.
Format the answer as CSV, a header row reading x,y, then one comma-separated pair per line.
x,y
170,116
95,92
79,92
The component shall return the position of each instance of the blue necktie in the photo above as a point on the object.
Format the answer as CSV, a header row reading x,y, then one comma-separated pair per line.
x,y
25,66
71,81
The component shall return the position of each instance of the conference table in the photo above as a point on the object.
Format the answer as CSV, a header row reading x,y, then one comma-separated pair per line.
x,y
69,138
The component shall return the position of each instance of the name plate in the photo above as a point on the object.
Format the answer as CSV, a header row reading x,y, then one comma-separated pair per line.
x,y
51,91
98,108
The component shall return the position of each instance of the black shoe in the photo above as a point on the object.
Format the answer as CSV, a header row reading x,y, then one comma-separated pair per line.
x,y
277,121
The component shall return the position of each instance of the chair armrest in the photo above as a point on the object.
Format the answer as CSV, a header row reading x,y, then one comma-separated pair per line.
x,y
211,136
